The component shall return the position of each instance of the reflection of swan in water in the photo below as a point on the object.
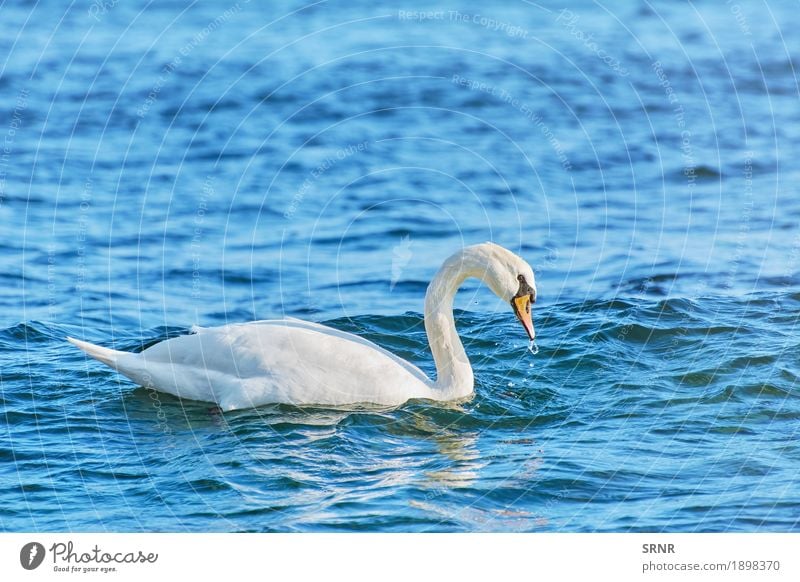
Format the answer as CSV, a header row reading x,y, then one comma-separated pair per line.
x,y
460,462
465,462
296,362
468,467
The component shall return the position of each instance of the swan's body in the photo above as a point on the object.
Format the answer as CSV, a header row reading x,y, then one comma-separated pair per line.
x,y
276,361
296,362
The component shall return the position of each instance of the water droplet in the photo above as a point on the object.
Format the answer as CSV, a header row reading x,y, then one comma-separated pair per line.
x,y
533,348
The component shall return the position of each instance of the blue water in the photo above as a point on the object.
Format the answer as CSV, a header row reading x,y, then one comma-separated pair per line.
x,y
165,165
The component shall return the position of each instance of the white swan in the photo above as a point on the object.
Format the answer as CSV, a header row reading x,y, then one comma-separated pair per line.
x,y
296,362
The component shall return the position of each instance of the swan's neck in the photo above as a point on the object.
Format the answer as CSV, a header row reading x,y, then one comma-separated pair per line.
x,y
454,377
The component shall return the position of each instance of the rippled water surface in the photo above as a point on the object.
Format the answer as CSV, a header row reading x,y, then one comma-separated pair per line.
x,y
166,165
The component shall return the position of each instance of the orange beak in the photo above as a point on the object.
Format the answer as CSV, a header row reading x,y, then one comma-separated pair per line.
x,y
522,309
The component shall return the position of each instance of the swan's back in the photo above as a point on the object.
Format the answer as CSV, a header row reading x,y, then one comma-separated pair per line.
x,y
277,361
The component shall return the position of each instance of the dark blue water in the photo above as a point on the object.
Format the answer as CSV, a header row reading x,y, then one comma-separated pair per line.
x,y
165,165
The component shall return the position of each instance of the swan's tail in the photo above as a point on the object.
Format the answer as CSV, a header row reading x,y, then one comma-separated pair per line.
x,y
105,355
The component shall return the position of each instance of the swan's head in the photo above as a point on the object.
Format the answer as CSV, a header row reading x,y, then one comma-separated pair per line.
x,y
511,279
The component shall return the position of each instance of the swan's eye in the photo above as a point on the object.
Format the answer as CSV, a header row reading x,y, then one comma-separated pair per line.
x,y
521,278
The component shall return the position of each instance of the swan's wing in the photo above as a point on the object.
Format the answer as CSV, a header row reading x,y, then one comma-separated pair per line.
x,y
290,361
317,327
412,369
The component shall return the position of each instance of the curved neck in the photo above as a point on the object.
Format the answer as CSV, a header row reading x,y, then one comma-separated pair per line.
x,y
454,377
